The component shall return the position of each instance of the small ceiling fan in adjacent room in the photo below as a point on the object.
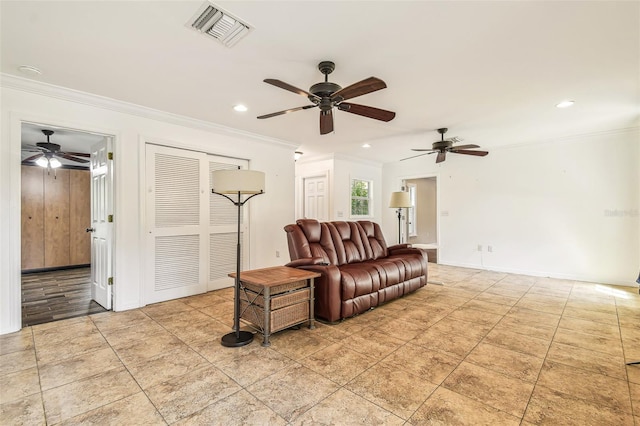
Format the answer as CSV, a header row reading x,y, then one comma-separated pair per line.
x,y
48,153
443,146
326,95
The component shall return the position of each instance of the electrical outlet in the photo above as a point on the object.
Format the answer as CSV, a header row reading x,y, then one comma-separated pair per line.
x,y
479,247
490,249
277,253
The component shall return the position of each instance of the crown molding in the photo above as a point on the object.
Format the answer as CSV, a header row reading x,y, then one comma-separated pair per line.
x,y
337,156
354,159
571,138
63,93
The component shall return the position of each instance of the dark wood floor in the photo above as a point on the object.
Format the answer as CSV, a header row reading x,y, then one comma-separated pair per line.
x,y
56,295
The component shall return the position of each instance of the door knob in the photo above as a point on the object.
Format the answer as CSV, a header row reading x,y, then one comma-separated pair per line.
x,y
91,229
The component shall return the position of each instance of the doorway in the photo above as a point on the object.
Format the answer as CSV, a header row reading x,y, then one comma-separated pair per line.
x,y
59,205
421,225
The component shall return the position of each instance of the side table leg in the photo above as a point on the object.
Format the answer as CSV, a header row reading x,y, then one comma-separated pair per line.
x,y
267,316
312,302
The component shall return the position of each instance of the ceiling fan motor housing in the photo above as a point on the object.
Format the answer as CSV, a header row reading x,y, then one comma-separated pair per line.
x,y
48,145
325,88
442,145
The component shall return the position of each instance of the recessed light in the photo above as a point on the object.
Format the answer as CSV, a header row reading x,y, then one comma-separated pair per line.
x,y
29,70
240,108
366,145
565,104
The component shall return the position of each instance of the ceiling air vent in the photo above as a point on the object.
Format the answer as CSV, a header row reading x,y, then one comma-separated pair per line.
x,y
218,24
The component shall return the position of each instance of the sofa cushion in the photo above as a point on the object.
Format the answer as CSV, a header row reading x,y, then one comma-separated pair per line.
x,y
348,243
318,239
358,279
373,239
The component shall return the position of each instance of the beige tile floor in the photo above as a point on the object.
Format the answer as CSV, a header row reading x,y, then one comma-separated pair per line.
x,y
484,348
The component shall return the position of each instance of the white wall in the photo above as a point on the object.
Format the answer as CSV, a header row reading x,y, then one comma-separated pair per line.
x,y
131,126
566,209
341,170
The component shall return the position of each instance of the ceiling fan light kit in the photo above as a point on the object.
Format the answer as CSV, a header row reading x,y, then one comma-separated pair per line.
x,y
327,96
443,146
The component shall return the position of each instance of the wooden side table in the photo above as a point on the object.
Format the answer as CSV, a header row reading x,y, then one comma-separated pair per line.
x,y
272,299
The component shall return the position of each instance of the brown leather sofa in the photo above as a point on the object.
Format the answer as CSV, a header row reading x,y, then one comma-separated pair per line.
x,y
358,270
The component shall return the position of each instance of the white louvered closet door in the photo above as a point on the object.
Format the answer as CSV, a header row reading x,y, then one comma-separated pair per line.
x,y
191,242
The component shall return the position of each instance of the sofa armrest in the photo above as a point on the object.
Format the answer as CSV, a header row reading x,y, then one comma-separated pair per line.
x,y
410,250
306,262
328,303
398,246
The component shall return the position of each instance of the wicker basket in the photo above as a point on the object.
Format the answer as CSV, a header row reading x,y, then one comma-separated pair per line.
x,y
279,301
279,318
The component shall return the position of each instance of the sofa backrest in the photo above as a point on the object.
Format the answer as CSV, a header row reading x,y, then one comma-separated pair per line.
x,y
337,243
372,234
310,238
348,242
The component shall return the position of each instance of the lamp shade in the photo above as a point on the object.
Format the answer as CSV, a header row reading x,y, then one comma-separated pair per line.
x,y
234,181
42,162
400,199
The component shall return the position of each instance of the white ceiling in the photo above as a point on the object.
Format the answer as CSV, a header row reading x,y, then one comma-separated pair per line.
x,y
490,71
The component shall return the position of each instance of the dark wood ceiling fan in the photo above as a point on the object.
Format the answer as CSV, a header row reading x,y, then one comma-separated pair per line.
x,y
443,146
50,150
326,95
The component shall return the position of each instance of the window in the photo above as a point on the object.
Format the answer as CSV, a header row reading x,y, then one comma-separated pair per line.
x,y
411,211
361,202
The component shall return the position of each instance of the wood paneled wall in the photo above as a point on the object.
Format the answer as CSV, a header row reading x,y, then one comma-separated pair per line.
x,y
55,214
32,218
79,217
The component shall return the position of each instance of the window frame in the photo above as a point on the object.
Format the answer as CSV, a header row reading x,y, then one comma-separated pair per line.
x,y
369,198
412,217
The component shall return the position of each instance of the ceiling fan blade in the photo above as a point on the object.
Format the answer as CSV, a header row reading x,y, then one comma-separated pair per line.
x,y
274,114
70,158
33,158
34,148
415,156
367,111
468,152
326,122
464,147
423,149
75,154
360,88
441,157
286,86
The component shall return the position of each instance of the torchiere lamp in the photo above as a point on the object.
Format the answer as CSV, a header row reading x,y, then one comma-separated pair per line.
x,y
240,182
400,200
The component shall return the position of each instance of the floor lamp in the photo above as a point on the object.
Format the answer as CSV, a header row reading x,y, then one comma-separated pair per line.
x,y
240,182
400,200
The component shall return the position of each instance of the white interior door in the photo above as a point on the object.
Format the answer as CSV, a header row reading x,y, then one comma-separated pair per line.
x,y
101,222
315,198
191,233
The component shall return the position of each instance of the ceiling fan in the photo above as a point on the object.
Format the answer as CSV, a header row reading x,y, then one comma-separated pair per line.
x,y
446,145
48,151
326,95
